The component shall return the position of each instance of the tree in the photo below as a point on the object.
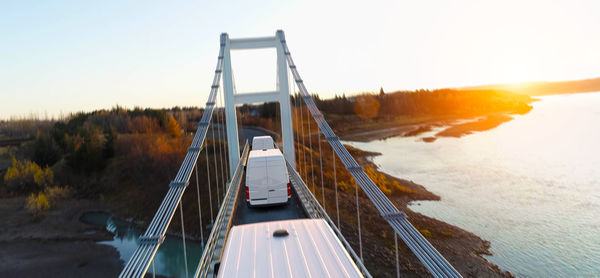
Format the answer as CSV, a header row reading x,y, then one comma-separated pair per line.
x,y
173,128
27,176
46,151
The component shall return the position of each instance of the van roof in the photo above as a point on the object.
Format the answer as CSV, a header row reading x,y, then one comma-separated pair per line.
x,y
264,153
310,250
262,137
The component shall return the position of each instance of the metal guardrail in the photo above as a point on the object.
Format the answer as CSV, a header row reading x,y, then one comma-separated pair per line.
x,y
314,210
218,236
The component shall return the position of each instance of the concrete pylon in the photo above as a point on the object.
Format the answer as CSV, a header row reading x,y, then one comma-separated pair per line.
x,y
281,94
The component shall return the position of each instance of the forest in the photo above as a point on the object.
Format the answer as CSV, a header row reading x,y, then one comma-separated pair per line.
x,y
127,157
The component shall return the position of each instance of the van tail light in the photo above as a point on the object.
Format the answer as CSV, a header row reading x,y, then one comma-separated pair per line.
x,y
247,194
289,190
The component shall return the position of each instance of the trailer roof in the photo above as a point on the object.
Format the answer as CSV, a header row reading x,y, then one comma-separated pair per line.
x,y
310,250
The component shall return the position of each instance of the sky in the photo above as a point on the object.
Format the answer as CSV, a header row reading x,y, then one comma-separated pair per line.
x,y
58,57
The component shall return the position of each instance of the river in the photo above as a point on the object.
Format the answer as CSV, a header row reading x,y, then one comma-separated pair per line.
x,y
169,259
530,186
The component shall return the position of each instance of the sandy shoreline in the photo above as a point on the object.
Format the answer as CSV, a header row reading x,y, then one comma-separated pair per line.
x,y
59,245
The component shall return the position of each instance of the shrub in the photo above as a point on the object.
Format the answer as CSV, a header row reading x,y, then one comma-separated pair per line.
x,y
27,176
37,204
425,232
387,186
56,194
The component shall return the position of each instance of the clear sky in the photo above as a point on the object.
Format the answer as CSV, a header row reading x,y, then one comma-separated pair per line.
x,y
66,56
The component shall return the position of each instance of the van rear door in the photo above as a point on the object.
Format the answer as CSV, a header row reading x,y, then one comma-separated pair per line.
x,y
256,179
278,177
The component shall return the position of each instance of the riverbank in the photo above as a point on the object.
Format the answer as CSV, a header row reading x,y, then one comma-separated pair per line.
x,y
58,245
451,127
461,248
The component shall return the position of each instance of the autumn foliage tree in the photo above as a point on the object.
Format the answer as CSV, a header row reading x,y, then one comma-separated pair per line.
x,y
27,176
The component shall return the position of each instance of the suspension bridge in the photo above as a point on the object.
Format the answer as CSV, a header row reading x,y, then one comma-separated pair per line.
x,y
231,210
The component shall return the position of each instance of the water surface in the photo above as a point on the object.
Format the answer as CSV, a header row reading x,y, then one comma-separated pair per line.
x,y
169,259
530,186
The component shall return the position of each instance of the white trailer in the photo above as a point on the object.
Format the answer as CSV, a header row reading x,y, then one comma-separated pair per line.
x,y
267,180
262,142
290,248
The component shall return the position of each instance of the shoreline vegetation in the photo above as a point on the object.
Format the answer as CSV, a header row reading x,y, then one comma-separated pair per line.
x,y
120,161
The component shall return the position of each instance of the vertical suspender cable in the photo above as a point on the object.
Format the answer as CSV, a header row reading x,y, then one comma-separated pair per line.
x,y
212,219
321,162
224,137
337,206
183,234
216,169
358,220
221,151
296,121
312,172
396,247
199,205
303,143
222,154
153,270
219,161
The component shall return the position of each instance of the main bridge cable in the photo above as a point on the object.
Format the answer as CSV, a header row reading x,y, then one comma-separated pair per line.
x,y
427,254
151,239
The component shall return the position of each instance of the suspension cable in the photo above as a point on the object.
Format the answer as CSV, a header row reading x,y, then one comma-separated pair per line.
x,y
358,220
303,142
337,206
199,204
224,138
153,270
216,169
212,219
421,247
220,160
295,120
396,247
183,234
223,178
312,166
321,162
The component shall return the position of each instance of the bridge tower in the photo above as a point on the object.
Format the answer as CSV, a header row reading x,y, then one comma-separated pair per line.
x,y
281,94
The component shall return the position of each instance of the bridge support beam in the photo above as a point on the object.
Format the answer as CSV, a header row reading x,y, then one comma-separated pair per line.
x,y
233,144
281,95
283,87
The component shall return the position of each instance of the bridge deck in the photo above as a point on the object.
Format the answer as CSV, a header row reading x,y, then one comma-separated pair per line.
x,y
247,215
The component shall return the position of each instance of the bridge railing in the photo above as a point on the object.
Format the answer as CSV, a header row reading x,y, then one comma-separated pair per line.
x,y
314,210
218,236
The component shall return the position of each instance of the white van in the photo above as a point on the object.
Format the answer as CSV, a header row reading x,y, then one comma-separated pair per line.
x,y
289,248
267,180
262,142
